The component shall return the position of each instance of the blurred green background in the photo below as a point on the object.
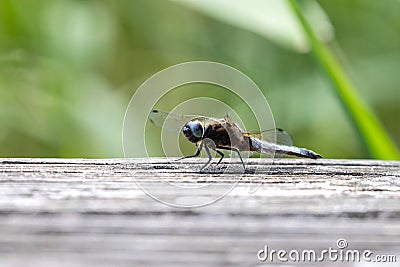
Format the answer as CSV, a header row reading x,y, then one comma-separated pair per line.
x,y
69,68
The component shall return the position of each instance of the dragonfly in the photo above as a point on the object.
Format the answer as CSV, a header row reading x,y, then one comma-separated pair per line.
x,y
223,134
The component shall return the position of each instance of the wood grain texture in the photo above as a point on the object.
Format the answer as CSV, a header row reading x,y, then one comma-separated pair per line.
x,y
87,212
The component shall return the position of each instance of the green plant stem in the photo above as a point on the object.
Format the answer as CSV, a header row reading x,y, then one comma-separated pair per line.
x,y
376,140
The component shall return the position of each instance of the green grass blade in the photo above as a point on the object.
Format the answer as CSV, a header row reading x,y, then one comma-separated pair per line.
x,y
376,139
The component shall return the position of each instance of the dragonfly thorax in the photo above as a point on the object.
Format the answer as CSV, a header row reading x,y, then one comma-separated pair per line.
x,y
193,131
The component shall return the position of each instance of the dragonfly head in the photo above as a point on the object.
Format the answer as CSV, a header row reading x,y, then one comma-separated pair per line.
x,y
193,131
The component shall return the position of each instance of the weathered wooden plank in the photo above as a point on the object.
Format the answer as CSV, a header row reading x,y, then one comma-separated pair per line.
x,y
78,212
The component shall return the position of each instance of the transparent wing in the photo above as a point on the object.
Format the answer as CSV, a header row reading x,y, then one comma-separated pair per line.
x,y
174,122
158,118
276,136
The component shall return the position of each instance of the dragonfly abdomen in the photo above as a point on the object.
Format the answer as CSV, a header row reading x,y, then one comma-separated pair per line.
x,y
271,148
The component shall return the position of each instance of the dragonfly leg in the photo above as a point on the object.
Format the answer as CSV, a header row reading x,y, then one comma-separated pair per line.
x,y
195,154
219,153
236,150
209,158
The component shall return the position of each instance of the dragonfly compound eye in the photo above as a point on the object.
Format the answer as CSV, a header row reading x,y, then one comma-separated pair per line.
x,y
197,128
193,130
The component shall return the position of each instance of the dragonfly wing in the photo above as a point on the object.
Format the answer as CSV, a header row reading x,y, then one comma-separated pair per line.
x,y
275,136
270,141
174,122
282,137
169,121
